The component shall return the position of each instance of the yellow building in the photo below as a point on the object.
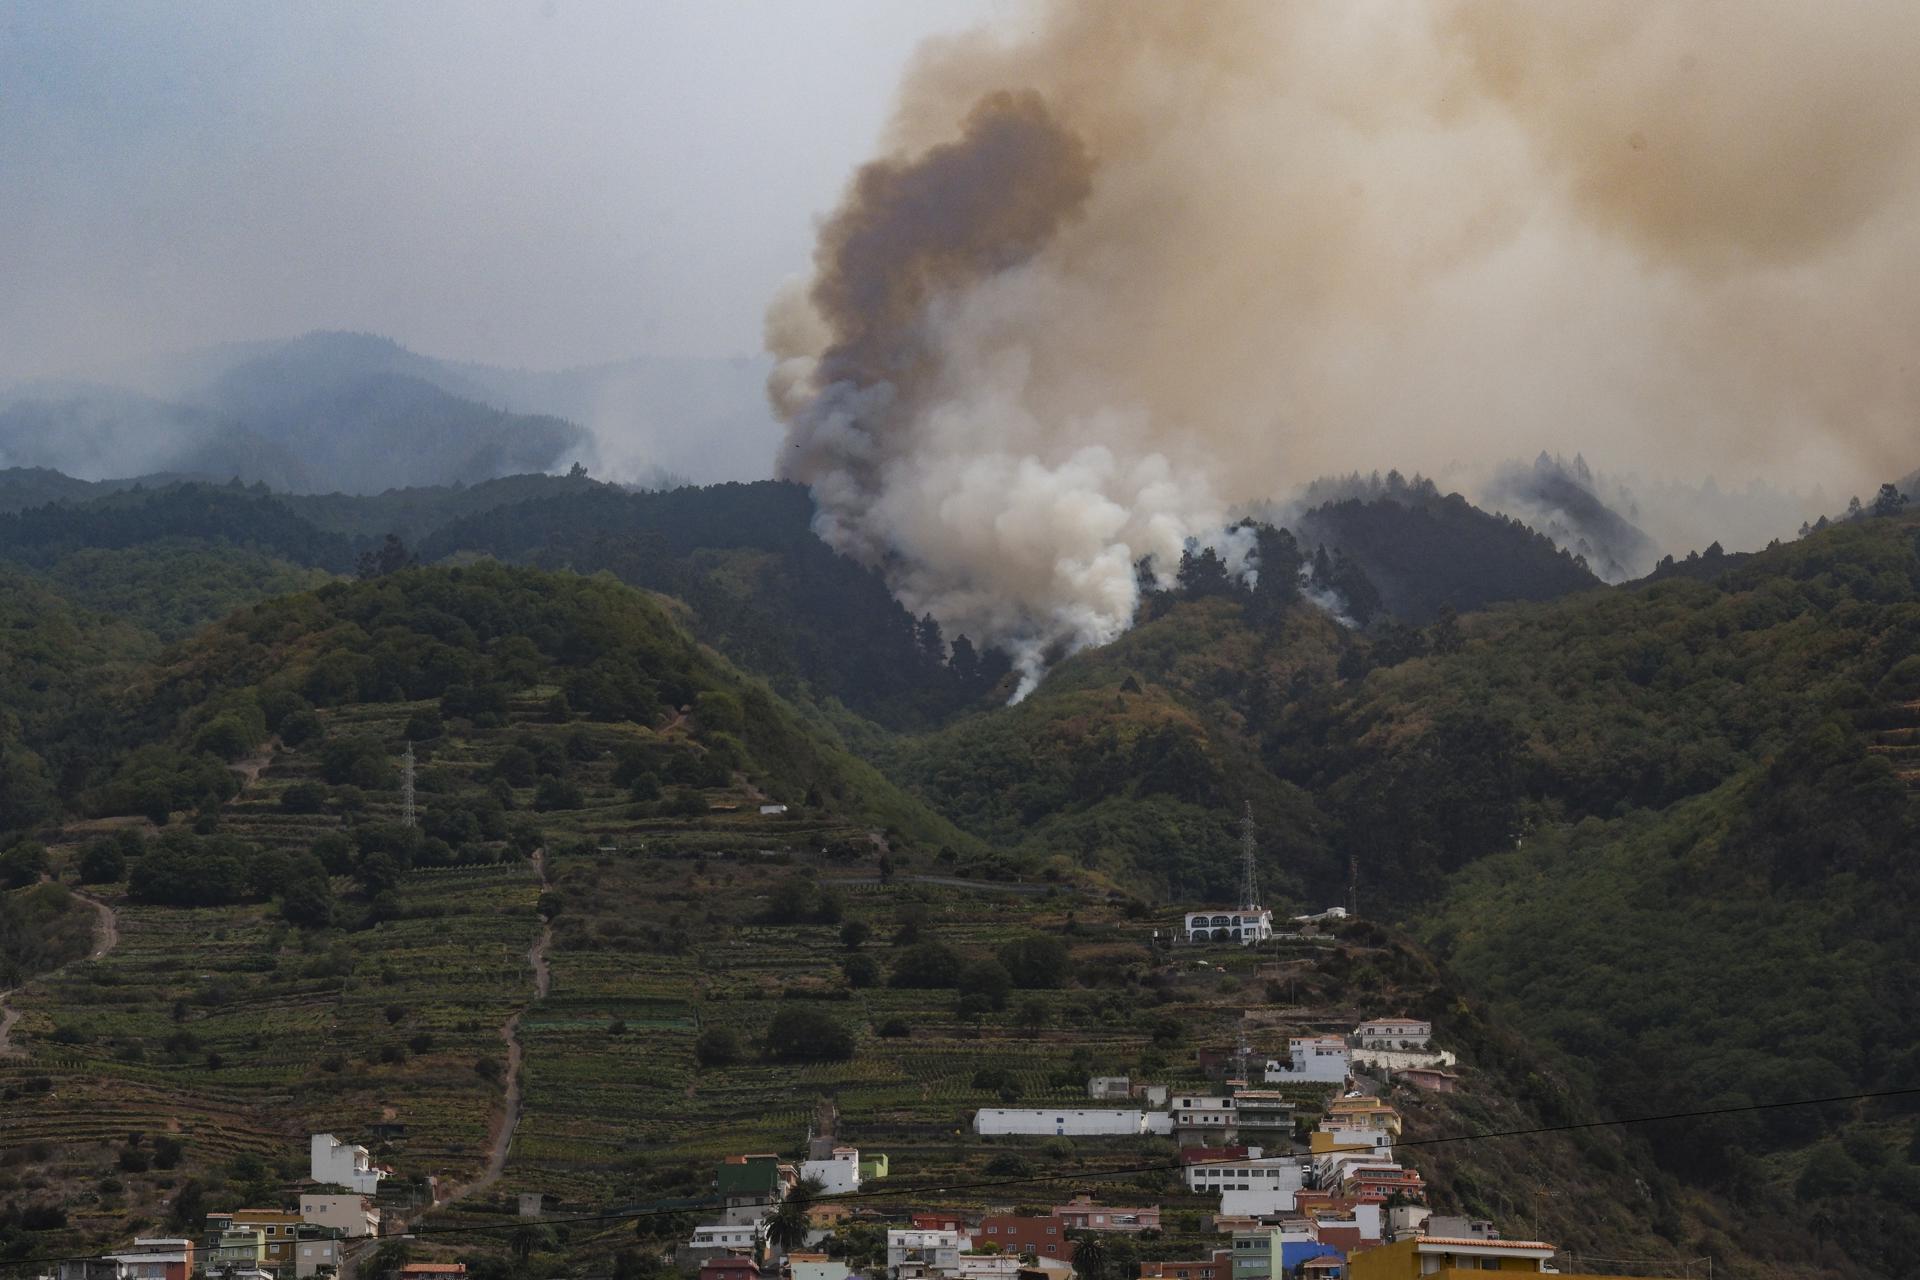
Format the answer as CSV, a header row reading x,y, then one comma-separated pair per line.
x,y
1446,1258
1363,1113
277,1228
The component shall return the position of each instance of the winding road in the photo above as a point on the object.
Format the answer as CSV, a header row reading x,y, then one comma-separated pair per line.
x,y
510,1032
106,936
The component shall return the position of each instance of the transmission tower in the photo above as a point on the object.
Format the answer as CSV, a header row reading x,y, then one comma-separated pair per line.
x,y
1249,851
406,786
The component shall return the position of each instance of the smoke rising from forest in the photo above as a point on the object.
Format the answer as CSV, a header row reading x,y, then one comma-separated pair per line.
x,y
1137,263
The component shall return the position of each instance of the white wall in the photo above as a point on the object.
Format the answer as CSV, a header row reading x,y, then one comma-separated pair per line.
x,y
835,1175
1070,1122
340,1164
353,1216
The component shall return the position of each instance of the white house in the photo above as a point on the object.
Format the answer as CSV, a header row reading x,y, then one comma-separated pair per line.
x,y
837,1173
154,1258
1109,1088
1056,1122
352,1216
728,1236
1202,1112
339,1164
1410,1034
923,1250
1254,1187
772,810
1364,1218
816,1266
1322,917
1312,1060
1244,925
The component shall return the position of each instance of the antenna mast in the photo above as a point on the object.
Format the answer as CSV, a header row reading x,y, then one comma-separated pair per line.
x,y
1249,848
406,786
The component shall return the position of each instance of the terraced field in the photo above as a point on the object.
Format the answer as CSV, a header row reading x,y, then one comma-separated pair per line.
x,y
238,1034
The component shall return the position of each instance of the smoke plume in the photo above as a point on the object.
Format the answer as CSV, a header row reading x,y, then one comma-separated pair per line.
x,y
1135,263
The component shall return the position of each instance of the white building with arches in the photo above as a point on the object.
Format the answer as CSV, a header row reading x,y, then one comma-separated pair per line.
x,y
1243,925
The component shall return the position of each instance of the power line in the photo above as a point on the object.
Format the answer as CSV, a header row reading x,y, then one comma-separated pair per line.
x,y
949,1187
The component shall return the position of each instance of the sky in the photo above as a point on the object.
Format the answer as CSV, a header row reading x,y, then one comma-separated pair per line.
x,y
536,185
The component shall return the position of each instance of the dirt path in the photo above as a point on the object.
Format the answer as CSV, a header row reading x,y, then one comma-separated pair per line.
x,y
254,765
106,927
106,936
510,1032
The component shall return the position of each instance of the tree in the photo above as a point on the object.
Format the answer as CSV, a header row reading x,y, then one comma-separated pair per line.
x,y
304,797
1092,1255
392,557
532,1237
23,864
860,970
988,979
1890,501
718,1047
926,965
790,1222
808,1035
1032,1016
308,902
854,934
1037,962
1204,574
103,861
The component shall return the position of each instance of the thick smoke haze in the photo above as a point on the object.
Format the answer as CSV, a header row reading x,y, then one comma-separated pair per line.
x,y
605,188
1127,265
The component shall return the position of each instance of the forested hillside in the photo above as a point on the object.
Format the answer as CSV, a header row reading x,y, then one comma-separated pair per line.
x,y
1426,553
1671,829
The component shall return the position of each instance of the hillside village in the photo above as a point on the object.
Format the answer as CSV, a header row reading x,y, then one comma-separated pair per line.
x,y
1293,1158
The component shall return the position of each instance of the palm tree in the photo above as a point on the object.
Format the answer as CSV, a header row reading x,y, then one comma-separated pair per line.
x,y
1092,1255
789,1223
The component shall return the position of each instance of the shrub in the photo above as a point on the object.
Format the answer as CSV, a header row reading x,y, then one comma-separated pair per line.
x,y
304,797
860,970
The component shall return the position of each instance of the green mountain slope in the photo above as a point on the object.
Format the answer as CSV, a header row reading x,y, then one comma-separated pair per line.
x,y
1426,553
1668,829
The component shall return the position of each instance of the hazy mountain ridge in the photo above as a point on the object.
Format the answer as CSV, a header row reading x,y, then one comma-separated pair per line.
x,y
321,413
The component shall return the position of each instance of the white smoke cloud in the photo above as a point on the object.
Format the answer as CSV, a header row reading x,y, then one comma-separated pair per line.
x,y
1144,264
